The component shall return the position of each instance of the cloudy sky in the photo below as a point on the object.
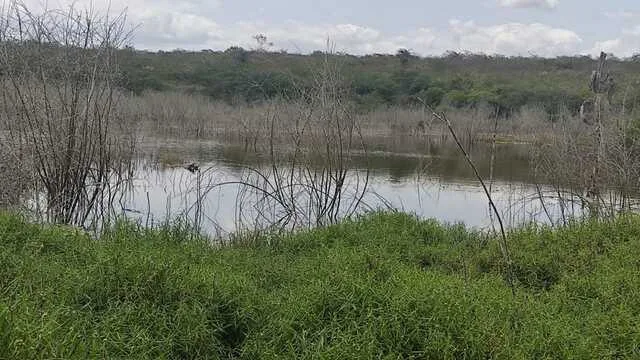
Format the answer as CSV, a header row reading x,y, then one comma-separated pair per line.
x,y
427,27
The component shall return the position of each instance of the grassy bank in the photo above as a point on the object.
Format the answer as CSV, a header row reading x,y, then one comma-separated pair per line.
x,y
385,286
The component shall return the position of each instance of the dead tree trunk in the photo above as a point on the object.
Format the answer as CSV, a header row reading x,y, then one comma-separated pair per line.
x,y
602,86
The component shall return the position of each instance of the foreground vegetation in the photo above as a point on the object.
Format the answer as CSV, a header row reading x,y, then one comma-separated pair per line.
x,y
383,286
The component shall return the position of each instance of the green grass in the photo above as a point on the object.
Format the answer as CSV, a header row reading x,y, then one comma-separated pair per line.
x,y
383,286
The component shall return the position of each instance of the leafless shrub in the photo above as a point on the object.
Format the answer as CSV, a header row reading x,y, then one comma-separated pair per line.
x,y
527,121
396,129
175,114
15,178
58,98
312,183
593,159
558,161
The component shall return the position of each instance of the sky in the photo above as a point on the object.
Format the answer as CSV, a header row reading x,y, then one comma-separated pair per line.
x,y
545,28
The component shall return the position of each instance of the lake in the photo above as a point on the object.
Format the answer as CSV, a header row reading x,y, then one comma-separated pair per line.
x,y
431,183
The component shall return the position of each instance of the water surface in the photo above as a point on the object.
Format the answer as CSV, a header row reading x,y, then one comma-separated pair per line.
x,y
437,185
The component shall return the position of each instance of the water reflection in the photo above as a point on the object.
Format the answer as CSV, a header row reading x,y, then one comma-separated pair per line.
x,y
511,162
439,185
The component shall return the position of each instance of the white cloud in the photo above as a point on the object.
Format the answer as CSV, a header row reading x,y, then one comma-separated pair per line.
x,y
159,24
544,4
349,38
197,24
300,37
176,30
515,39
626,45
609,46
620,14
506,39
635,31
295,36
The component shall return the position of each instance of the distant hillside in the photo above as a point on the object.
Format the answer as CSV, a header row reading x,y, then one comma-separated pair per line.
x,y
458,80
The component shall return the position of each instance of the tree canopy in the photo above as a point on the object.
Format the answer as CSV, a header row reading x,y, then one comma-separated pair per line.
x,y
454,79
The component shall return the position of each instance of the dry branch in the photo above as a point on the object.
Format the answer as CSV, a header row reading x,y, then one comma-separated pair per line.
x,y
58,93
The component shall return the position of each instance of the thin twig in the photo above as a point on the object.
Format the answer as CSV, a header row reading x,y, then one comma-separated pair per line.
x,y
503,244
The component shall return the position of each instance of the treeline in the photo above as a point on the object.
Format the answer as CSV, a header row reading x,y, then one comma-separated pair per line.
x,y
454,79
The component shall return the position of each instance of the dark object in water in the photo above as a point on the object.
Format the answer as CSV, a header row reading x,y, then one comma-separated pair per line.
x,y
192,168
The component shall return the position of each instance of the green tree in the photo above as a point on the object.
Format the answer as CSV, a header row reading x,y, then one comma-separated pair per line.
x,y
238,54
